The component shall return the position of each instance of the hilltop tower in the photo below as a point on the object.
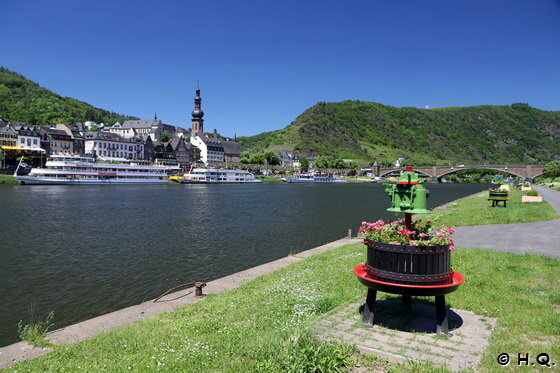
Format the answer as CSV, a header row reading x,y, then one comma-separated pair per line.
x,y
197,114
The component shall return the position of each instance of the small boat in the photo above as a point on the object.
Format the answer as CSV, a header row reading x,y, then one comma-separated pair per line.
x,y
218,176
72,170
314,179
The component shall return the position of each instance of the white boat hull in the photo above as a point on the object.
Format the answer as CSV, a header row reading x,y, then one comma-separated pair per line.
x,y
185,181
31,180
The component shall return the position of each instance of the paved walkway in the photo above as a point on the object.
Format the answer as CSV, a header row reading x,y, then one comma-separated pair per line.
x,y
532,238
399,336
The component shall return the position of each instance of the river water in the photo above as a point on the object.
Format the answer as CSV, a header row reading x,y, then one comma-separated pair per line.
x,y
83,251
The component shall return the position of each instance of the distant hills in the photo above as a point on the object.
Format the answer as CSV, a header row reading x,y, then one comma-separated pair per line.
x,y
22,100
358,130
371,131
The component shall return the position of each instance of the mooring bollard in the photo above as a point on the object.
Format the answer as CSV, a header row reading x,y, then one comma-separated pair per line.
x,y
198,288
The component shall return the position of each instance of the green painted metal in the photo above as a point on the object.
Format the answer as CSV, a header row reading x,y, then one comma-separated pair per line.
x,y
408,195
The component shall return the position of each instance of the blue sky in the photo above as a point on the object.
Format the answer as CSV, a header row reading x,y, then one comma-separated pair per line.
x,y
262,63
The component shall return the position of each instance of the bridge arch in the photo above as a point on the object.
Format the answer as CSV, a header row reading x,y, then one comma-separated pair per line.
x,y
455,170
384,173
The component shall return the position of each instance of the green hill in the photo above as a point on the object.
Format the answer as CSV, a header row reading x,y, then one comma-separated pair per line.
x,y
22,100
371,131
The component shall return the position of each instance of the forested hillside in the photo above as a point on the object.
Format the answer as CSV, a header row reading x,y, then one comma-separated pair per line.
x,y
372,131
22,100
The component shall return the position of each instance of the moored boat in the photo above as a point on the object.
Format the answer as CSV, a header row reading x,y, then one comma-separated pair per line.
x,y
71,170
217,176
314,179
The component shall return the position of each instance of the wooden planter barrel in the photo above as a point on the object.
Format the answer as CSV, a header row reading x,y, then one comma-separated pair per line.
x,y
496,194
412,265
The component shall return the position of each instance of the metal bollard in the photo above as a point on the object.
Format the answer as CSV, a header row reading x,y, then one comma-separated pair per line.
x,y
198,288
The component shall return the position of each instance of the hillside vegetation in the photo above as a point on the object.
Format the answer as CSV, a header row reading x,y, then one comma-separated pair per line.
x,y
22,100
372,131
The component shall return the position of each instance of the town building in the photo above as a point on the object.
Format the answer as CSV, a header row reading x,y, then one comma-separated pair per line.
x,y
154,128
232,152
55,141
110,145
185,153
78,141
28,137
8,136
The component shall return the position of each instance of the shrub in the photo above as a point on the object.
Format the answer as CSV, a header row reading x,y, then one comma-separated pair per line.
x,y
36,330
532,193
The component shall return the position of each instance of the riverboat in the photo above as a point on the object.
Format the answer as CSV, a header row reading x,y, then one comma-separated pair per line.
x,y
218,176
70,170
314,179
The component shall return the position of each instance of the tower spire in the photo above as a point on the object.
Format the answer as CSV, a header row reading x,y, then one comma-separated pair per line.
x,y
197,115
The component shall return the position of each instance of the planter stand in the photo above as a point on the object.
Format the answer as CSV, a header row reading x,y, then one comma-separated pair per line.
x,y
405,269
407,291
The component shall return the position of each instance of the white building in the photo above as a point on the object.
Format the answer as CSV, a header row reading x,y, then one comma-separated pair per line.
x,y
118,129
110,145
211,150
28,138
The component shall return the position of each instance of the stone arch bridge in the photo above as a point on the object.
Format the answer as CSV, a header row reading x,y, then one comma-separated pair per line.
x,y
437,172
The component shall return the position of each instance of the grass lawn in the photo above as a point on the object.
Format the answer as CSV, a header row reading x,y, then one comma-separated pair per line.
x,y
476,210
263,326
269,179
7,179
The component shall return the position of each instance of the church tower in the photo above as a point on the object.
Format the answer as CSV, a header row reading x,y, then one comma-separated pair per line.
x,y
197,114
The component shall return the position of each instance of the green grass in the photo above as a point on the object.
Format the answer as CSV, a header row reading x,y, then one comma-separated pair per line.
x,y
476,210
7,179
269,179
263,326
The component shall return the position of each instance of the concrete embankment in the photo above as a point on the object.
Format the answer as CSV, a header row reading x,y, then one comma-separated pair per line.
x,y
20,351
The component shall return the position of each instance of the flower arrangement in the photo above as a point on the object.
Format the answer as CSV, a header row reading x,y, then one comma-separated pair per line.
x,y
395,232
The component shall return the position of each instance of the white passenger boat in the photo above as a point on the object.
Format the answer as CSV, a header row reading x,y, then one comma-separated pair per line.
x,y
68,170
314,179
217,176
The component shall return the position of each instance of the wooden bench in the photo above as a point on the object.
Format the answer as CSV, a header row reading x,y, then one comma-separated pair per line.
x,y
497,200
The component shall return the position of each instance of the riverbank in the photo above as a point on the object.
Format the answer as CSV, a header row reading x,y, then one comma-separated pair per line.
x,y
264,325
475,210
309,342
7,180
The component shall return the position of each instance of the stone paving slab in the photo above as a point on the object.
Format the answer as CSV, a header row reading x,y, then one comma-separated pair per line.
x,y
399,335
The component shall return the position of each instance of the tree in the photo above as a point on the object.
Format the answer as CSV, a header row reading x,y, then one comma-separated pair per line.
x,y
321,162
165,137
304,164
552,169
245,157
257,158
90,115
271,158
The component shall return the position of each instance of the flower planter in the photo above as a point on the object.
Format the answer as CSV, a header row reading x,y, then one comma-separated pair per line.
x,y
497,194
531,199
524,188
406,264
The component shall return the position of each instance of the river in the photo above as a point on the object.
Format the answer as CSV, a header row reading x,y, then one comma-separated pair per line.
x,y
82,251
